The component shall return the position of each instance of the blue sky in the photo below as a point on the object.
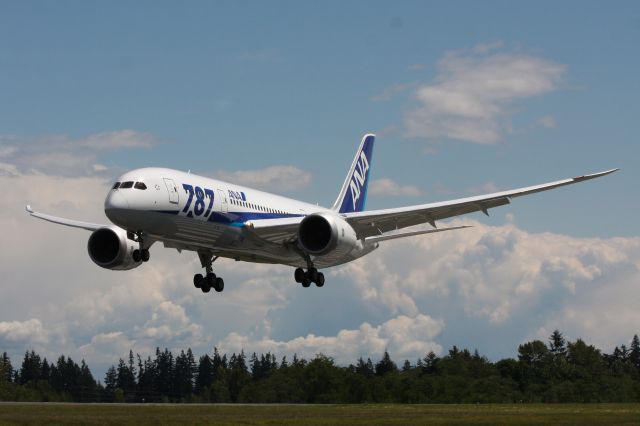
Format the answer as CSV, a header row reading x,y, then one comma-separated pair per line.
x,y
466,97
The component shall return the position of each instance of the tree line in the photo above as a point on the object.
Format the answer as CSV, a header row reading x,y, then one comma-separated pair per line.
x,y
556,371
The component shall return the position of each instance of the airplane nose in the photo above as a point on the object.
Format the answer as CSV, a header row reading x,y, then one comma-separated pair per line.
x,y
115,200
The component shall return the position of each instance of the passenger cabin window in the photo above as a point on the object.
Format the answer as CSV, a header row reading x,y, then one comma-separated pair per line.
x,y
140,185
127,184
116,185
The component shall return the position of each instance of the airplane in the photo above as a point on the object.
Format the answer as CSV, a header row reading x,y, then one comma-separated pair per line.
x,y
217,219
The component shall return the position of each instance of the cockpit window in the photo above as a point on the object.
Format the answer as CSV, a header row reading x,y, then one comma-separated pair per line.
x,y
140,185
127,184
116,185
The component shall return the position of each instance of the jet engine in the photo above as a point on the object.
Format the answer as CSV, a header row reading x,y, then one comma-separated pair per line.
x,y
323,233
110,248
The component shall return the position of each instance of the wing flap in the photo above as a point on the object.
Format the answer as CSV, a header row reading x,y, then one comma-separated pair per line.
x,y
394,235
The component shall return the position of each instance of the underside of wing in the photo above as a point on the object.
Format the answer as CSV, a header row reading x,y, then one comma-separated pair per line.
x,y
378,222
278,231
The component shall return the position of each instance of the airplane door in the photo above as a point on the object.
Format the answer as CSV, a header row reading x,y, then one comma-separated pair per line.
x,y
223,201
172,189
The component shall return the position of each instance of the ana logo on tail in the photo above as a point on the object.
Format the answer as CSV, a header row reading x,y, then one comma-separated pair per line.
x,y
358,178
353,195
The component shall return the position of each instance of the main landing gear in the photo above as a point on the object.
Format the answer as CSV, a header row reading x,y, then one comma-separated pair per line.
x,y
311,276
210,280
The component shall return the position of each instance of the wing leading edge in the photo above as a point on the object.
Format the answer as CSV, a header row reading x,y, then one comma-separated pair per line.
x,y
378,222
62,221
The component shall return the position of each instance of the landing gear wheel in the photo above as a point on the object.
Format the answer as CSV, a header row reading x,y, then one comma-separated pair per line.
x,y
198,280
312,274
320,280
211,279
299,275
205,288
137,257
306,283
144,255
219,286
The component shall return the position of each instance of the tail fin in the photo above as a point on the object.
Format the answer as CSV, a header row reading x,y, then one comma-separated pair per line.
x,y
353,194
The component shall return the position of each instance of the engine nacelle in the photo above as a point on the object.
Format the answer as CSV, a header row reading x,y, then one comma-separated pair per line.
x,y
110,248
322,233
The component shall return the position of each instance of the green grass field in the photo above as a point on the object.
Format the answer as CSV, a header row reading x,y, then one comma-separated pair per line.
x,y
85,414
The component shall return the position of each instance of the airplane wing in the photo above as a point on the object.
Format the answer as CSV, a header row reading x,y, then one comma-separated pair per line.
x,y
62,221
377,222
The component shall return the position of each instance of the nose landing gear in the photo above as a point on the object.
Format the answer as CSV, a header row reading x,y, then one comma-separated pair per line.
x,y
140,254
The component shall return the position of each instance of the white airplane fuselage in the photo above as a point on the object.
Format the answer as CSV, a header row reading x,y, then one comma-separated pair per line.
x,y
191,212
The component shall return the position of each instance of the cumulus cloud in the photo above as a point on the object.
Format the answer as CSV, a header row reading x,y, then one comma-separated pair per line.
x,y
281,178
402,336
389,188
474,92
60,155
505,278
29,332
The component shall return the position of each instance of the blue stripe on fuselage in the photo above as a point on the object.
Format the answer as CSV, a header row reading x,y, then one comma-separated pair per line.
x,y
236,218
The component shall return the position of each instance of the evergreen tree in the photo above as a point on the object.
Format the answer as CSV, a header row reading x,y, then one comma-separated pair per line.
x,y
238,375
532,352
385,365
87,384
183,374
428,363
110,384
219,364
557,344
6,369
126,379
45,373
634,353
205,374
165,366
365,368
31,368
146,380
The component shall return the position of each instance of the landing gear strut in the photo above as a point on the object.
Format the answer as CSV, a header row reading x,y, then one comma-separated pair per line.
x,y
140,254
311,276
210,280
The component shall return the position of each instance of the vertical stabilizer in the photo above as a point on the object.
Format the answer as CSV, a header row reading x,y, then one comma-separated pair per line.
x,y
353,194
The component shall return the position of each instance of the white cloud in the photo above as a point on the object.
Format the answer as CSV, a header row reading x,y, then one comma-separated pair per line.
x,y
28,332
106,348
403,336
472,96
389,188
118,139
60,155
170,321
282,178
503,277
